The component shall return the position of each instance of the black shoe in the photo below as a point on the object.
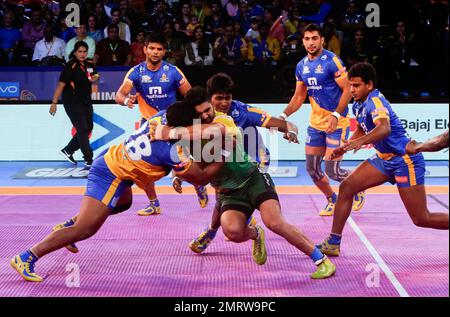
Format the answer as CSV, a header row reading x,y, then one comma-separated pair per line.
x,y
87,164
68,157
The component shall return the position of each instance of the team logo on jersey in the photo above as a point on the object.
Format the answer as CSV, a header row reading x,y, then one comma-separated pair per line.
x,y
305,70
164,79
312,81
166,68
235,113
324,57
319,69
146,79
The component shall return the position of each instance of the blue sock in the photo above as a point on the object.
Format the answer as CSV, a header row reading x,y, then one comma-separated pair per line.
x,y
335,239
248,221
69,223
316,256
155,202
333,198
24,256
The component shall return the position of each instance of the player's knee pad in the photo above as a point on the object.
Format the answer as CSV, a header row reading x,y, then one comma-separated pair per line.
x,y
314,167
334,171
121,208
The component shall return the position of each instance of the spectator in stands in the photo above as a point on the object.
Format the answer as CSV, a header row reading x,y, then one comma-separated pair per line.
x,y
238,28
200,9
322,13
160,16
253,31
243,16
93,29
21,18
103,19
275,24
183,19
254,9
33,31
174,45
54,6
49,17
291,23
358,50
63,31
199,51
332,42
81,36
230,49
232,8
50,50
125,13
112,51
9,37
137,48
192,25
351,21
264,50
214,24
124,29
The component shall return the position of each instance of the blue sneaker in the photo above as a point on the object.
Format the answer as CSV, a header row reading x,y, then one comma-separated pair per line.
x,y
71,247
24,265
153,208
199,244
202,196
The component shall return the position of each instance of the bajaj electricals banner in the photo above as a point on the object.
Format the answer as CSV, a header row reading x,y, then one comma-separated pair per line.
x,y
29,133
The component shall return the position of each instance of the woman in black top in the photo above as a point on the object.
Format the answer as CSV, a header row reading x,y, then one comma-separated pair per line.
x,y
75,84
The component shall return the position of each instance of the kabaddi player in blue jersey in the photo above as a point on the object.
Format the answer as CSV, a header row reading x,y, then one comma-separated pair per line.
x,y
156,83
108,189
219,90
379,125
323,76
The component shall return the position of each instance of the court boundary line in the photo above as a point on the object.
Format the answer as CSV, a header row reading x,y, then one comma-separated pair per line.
x,y
377,257
440,202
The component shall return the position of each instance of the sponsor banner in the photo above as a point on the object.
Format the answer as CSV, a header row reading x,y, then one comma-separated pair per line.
x,y
40,83
30,133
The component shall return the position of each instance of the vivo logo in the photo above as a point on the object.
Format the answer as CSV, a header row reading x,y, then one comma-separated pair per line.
x,y
9,89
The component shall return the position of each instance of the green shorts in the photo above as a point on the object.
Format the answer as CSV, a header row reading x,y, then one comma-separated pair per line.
x,y
258,189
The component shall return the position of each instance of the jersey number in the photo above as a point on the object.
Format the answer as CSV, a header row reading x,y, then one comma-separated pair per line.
x,y
138,145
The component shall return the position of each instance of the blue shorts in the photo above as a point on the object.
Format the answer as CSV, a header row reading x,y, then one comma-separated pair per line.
x,y
319,138
406,170
104,185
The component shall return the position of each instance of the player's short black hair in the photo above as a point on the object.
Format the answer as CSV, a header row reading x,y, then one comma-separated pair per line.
x,y
365,71
180,114
195,96
311,28
219,83
155,37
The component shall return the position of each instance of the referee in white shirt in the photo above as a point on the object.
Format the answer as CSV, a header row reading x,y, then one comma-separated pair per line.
x,y
50,50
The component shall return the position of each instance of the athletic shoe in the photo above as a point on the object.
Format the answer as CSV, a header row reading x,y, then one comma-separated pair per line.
x,y
68,156
153,208
202,196
328,248
358,201
199,244
329,208
87,164
71,247
259,252
324,269
24,265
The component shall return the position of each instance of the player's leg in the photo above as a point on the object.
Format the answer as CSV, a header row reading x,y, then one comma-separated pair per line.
x,y
315,150
153,208
202,241
410,177
333,168
368,174
92,215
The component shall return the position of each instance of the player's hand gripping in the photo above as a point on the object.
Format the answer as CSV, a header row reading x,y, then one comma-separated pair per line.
x,y
332,123
158,132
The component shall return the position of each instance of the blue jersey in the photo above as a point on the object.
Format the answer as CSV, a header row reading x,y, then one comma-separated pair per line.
x,y
157,90
377,107
319,76
248,118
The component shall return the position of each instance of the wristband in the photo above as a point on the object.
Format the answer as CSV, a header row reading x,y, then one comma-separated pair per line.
x,y
283,115
293,132
125,103
336,114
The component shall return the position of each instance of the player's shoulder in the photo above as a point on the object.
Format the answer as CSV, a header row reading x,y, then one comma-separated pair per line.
x,y
302,62
377,99
224,119
239,105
